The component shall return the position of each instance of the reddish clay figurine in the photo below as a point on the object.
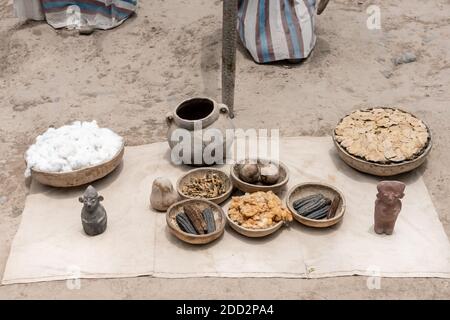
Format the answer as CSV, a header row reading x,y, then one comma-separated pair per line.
x,y
388,205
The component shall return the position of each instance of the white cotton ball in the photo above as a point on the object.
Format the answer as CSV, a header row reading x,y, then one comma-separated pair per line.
x,y
72,147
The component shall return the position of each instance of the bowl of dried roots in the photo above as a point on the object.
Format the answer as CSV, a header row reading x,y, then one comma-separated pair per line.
x,y
205,183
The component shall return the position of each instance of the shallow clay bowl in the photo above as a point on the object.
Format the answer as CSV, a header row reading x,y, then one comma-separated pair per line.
x,y
78,177
253,233
177,208
380,169
201,172
250,187
310,188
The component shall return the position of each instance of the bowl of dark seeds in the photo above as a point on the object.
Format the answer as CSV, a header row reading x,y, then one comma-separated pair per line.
x,y
316,204
196,221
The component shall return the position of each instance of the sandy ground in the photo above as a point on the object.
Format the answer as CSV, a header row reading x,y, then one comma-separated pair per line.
x,y
128,78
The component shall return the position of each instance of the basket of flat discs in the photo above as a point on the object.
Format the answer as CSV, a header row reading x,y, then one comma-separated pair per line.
x,y
382,141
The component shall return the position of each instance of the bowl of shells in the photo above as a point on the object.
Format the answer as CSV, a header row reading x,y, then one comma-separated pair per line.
x,y
259,175
382,141
257,214
316,205
196,221
205,183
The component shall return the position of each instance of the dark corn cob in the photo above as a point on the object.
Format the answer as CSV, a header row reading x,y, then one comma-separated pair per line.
x,y
304,211
184,223
319,214
308,203
307,200
208,216
334,207
303,204
195,216
301,201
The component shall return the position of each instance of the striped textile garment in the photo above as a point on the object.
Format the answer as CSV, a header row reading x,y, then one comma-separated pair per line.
x,y
274,30
102,14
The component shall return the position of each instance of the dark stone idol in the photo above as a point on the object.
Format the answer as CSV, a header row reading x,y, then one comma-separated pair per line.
x,y
93,214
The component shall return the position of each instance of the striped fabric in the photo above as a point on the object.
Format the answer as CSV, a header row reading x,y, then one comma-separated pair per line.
x,y
102,14
274,30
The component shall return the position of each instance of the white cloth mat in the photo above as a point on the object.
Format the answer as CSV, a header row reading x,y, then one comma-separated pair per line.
x,y
50,243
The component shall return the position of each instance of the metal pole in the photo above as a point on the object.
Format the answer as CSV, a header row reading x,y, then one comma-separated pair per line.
x,y
322,5
229,39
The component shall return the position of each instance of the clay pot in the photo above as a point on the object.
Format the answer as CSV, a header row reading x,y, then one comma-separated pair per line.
x,y
199,113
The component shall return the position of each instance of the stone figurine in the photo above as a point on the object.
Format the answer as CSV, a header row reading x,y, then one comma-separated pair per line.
x,y
93,214
388,205
163,194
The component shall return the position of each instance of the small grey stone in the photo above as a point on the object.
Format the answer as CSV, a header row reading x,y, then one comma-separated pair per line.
x,y
406,57
15,212
387,74
3,200
86,30
429,38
